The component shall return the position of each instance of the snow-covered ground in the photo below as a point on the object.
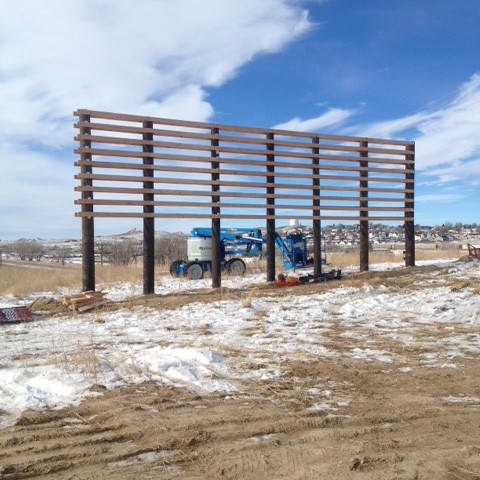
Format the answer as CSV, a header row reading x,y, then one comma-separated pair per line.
x,y
54,361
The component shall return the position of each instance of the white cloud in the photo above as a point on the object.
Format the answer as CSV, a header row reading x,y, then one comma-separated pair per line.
x,y
455,171
390,128
36,194
439,198
154,57
452,134
179,104
447,136
119,56
447,140
334,116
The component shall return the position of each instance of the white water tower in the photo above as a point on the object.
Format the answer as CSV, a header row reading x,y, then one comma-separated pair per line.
x,y
294,222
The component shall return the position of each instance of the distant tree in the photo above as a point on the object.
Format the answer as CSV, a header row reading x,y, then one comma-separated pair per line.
x,y
103,250
8,248
60,253
29,249
169,248
448,225
124,252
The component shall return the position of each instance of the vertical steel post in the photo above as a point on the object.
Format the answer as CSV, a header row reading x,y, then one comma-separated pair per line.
x,y
216,250
88,228
317,231
409,203
148,218
270,210
364,240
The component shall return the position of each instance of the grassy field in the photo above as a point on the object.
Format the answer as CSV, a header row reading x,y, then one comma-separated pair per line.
x,y
22,278
341,260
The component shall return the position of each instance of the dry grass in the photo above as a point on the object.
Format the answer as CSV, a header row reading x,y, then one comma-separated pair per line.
x,y
248,299
77,355
36,277
341,260
26,278
118,273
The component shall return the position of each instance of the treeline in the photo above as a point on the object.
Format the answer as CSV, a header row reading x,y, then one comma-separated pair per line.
x,y
123,252
26,249
126,252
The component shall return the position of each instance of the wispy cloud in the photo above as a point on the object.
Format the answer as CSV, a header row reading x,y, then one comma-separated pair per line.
x,y
446,136
334,116
456,171
452,135
439,198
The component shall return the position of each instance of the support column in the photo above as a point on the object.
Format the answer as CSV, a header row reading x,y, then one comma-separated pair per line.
x,y
364,237
216,250
148,221
317,231
88,230
409,203
270,211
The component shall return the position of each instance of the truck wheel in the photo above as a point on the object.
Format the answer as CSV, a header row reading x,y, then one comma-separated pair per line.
x,y
193,271
236,266
175,268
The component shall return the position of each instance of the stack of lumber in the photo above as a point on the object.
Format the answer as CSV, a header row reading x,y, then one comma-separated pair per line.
x,y
82,302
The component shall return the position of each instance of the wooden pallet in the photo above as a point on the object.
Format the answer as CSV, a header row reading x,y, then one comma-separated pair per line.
x,y
82,302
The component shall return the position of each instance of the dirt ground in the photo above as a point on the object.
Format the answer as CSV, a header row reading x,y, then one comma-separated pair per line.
x,y
389,425
401,421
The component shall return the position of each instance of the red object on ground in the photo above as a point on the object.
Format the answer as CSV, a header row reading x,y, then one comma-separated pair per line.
x,y
287,281
15,314
473,252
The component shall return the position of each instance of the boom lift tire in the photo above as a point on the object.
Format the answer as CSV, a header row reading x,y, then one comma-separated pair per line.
x,y
236,266
193,271
174,270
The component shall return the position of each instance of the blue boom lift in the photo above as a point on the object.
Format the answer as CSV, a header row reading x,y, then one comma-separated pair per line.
x,y
235,242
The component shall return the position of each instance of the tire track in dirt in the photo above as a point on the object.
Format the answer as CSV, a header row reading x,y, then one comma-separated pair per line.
x,y
393,425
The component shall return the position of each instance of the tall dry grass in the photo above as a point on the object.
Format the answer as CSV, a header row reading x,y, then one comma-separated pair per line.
x,y
30,278
25,278
341,260
119,273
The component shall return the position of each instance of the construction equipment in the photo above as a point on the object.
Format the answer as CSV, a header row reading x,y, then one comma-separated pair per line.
x,y
236,243
290,281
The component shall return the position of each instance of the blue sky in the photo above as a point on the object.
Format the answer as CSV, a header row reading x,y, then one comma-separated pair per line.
x,y
405,69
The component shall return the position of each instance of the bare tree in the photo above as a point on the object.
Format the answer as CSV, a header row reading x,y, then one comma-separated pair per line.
x,y
169,248
60,253
29,249
124,252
